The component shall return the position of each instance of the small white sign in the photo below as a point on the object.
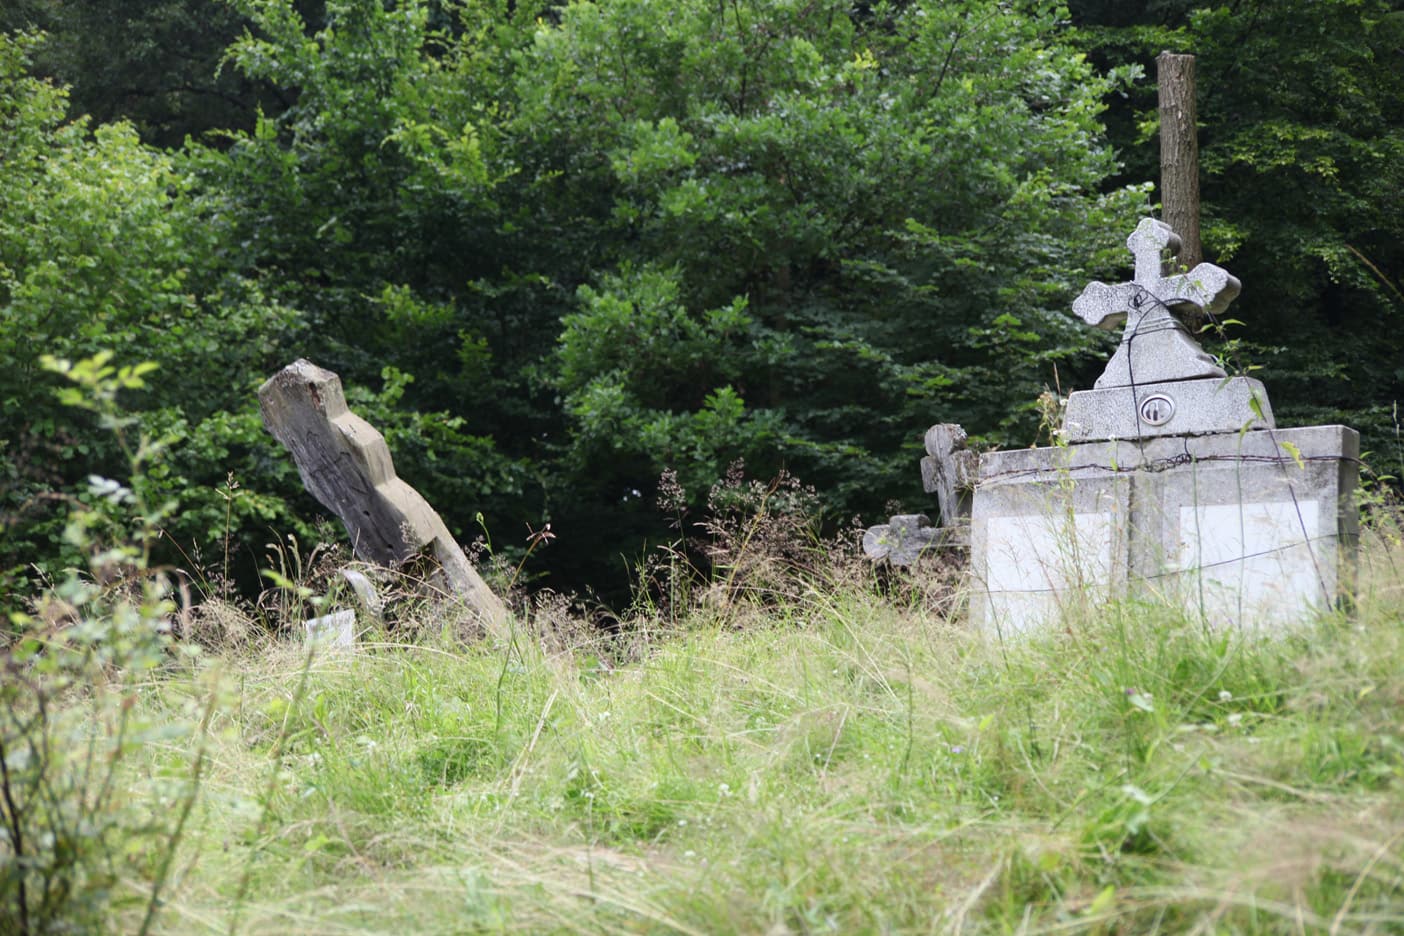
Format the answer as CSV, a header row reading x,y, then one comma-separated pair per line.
x,y
1036,562
337,629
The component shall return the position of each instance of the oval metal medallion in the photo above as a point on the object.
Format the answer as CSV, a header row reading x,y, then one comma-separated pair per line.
x,y
1157,410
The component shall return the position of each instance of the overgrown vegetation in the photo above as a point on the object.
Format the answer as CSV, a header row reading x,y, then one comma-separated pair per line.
x,y
559,253
74,832
817,758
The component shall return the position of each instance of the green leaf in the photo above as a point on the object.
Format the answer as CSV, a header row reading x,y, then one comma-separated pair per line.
x,y
1104,902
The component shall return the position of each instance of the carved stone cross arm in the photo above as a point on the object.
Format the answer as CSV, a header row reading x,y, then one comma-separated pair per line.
x,y
1103,306
1155,346
1207,286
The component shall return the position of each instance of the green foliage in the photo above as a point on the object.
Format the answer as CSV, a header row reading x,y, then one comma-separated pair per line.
x,y
367,205
155,63
820,242
647,383
104,248
903,202
73,836
553,252
562,254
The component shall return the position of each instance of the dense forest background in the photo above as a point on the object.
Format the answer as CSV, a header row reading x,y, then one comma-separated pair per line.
x,y
555,249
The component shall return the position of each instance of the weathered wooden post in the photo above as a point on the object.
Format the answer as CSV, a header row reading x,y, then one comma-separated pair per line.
x,y
1179,153
345,464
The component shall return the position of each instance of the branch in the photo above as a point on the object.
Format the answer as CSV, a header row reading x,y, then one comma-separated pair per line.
x,y
16,832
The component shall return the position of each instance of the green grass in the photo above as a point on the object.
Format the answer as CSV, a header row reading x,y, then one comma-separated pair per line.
x,y
841,763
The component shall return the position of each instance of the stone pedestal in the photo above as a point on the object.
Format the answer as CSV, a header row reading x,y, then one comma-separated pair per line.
x,y
1252,529
1179,407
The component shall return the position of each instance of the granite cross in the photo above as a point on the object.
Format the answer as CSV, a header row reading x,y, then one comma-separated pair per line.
x,y
1155,347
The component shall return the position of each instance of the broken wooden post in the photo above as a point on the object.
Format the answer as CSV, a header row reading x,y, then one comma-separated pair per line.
x,y
1179,153
345,464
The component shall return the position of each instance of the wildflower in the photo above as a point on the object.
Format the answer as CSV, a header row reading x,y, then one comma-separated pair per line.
x,y
672,498
539,537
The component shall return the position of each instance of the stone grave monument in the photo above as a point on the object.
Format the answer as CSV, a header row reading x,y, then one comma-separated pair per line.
x,y
344,463
1172,481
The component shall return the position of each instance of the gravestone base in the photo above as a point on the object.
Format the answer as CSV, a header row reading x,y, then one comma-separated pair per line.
x,y
1177,407
1250,529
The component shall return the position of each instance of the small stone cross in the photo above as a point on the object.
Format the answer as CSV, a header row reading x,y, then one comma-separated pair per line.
x,y
1155,347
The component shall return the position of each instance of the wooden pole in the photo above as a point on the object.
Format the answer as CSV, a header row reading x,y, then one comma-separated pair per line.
x,y
1179,153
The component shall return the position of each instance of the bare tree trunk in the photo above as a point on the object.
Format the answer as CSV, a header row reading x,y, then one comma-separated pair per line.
x,y
1179,154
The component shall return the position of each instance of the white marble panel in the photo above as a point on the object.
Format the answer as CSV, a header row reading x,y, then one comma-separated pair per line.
x,y
1034,562
1253,563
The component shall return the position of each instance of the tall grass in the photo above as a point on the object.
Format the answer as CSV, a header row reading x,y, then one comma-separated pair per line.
x,y
841,763
788,743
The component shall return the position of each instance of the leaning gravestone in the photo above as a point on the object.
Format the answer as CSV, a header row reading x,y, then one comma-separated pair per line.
x,y
345,464
1173,482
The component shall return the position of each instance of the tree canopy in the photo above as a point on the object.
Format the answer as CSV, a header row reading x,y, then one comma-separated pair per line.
x,y
556,250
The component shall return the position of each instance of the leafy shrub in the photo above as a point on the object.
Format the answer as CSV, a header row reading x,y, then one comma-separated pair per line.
x,y
71,832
